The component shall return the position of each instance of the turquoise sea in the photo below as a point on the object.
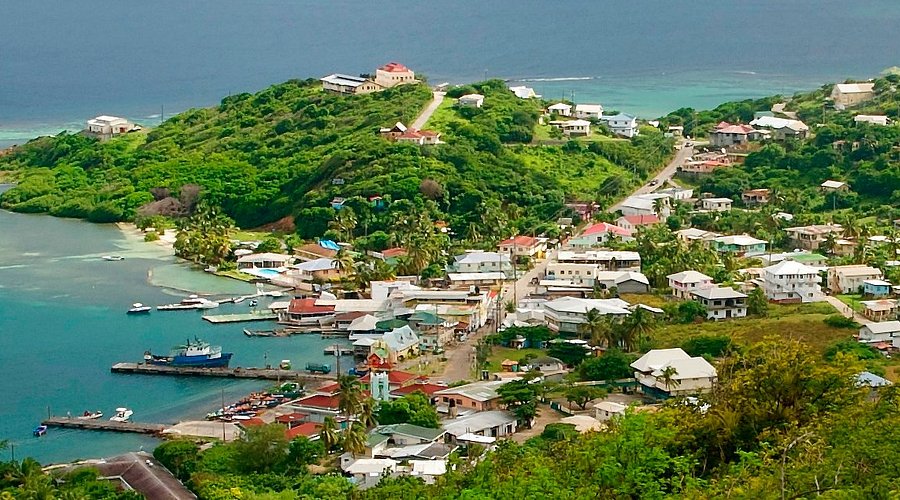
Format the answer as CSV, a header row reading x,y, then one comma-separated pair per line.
x,y
63,324
63,62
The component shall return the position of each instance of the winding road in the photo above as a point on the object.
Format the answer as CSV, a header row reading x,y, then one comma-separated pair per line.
x,y
661,177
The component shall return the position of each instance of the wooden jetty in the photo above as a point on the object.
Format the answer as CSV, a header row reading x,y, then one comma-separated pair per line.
x,y
190,371
104,425
240,318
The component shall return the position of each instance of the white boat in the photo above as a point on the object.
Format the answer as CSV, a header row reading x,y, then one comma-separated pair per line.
x,y
192,302
113,257
252,303
122,415
138,308
88,415
238,300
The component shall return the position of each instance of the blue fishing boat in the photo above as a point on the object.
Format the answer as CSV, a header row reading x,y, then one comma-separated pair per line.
x,y
40,430
196,353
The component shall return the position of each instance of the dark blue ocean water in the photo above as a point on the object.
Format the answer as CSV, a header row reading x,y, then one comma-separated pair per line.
x,y
63,324
62,62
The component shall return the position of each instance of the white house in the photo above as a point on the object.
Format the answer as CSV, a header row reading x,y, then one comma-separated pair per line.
x,y
685,282
849,279
264,261
872,119
393,74
664,373
790,281
884,331
107,126
607,410
589,111
622,124
609,260
471,101
565,314
646,204
523,92
721,302
716,204
560,108
781,128
482,262
572,127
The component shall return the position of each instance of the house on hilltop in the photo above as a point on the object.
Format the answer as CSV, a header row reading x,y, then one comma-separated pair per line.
x,y
470,101
349,85
622,124
664,373
393,74
726,134
105,126
790,281
845,95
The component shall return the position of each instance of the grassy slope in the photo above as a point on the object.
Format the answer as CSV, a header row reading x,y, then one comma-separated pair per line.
x,y
802,322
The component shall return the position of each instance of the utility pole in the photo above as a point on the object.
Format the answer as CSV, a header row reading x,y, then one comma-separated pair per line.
x,y
224,438
162,113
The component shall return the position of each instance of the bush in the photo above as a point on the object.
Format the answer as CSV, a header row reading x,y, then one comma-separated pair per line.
x,y
151,236
711,345
840,321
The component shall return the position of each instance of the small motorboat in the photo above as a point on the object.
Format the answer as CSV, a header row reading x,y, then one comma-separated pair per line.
x,y
252,303
138,308
113,258
39,430
192,302
122,415
90,415
238,300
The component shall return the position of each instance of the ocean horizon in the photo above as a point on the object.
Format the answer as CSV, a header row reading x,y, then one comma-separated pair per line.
x,y
647,58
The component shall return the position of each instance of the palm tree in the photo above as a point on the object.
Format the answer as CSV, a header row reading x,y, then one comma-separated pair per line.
x,y
366,413
668,377
829,242
329,433
345,263
350,395
636,327
659,206
596,328
354,439
344,222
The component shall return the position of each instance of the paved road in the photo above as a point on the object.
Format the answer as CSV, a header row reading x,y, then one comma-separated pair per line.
x,y
426,113
662,176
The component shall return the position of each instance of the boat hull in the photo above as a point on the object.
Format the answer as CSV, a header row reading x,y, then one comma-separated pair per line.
x,y
194,361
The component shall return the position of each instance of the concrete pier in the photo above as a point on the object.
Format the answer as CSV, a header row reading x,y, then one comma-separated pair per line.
x,y
187,371
101,424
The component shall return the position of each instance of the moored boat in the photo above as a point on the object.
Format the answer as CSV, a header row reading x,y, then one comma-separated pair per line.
x,y
122,415
192,302
113,258
90,415
39,430
138,308
196,353
238,300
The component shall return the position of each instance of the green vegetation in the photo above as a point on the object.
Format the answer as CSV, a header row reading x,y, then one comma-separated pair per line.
x,y
410,409
287,151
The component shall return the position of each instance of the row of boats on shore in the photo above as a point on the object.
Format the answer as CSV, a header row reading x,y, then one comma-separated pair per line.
x,y
256,403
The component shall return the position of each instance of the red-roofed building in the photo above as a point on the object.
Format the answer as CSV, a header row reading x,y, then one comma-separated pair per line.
x,y
396,379
305,312
524,246
308,429
598,234
292,419
633,222
393,74
726,134
426,388
393,253
317,406
253,422
420,137
376,362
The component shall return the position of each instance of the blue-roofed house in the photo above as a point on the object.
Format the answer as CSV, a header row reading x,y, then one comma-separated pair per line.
x,y
876,288
622,124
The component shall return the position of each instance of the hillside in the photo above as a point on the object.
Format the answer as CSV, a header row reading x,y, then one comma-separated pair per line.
x,y
290,149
